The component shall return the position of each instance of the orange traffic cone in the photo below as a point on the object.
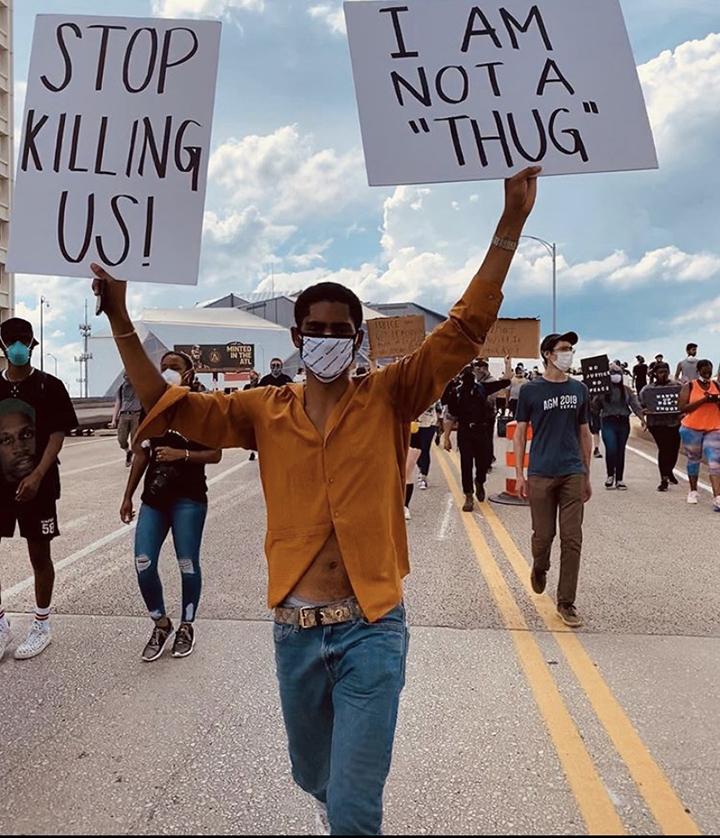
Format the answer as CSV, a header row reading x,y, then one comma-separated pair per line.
x,y
510,496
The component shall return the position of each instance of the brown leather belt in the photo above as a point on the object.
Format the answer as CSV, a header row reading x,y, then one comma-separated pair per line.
x,y
322,615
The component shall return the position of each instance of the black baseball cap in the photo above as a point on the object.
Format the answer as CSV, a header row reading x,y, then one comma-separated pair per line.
x,y
16,329
550,342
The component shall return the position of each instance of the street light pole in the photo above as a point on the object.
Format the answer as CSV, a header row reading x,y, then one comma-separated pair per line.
x,y
43,303
50,355
551,248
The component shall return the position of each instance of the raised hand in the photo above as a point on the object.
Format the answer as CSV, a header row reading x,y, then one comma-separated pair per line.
x,y
113,291
520,193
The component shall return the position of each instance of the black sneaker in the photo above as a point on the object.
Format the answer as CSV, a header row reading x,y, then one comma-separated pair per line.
x,y
469,504
663,487
610,483
569,616
252,456
128,458
538,580
479,491
184,641
597,454
159,639
672,479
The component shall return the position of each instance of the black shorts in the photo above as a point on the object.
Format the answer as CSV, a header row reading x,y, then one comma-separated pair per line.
x,y
37,519
415,441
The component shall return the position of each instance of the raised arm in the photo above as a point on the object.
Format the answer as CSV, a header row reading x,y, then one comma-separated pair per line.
x,y
143,374
418,380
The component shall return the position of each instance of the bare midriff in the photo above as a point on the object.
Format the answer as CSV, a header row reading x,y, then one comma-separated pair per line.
x,y
326,580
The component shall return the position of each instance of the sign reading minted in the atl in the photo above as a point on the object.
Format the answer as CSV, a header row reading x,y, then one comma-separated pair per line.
x,y
231,357
114,152
460,90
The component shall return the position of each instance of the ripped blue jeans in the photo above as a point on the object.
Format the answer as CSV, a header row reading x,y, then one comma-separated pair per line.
x,y
186,519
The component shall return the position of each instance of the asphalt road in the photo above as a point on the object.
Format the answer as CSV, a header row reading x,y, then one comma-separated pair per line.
x,y
510,724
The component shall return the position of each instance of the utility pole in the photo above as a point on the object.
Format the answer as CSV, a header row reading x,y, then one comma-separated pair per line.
x,y
86,332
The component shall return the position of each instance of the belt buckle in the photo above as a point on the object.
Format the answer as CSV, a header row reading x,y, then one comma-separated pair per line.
x,y
303,614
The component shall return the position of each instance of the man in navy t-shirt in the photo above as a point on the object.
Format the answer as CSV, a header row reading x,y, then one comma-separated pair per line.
x,y
558,481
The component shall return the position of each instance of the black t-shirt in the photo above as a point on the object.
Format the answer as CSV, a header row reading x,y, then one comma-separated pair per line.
x,y
272,381
30,411
640,371
470,405
167,482
555,410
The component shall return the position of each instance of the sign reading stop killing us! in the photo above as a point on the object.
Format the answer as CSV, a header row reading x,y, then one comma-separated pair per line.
x,y
461,90
114,151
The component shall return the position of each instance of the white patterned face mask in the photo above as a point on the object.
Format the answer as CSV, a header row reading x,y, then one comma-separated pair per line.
x,y
327,358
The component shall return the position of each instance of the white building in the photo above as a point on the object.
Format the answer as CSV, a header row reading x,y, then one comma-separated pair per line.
x,y
162,329
6,153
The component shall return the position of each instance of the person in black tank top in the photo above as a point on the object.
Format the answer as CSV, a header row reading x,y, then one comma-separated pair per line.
x,y
174,498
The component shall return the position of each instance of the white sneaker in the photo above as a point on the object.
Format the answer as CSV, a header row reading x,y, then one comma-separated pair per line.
x,y
692,497
37,641
716,506
5,638
422,483
408,516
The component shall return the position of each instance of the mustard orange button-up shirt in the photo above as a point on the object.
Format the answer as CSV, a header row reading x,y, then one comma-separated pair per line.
x,y
352,480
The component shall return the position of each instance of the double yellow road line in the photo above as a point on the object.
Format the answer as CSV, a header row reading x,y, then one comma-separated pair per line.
x,y
599,812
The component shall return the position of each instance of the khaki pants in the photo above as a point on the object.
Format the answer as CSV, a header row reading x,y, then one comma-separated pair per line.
x,y
548,496
127,426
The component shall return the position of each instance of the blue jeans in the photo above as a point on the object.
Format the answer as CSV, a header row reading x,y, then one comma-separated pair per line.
x,y
615,433
340,689
426,438
186,519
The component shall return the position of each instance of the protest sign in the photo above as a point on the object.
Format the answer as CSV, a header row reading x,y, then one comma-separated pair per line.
x,y
596,374
663,399
516,338
458,90
395,337
114,152
231,357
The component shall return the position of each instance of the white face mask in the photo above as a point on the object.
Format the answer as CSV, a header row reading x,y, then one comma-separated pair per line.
x,y
172,377
563,360
616,378
327,358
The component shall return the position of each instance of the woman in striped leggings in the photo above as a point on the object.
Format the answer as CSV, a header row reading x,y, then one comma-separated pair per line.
x,y
700,430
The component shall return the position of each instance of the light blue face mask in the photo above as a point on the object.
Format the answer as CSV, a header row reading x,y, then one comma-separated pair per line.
x,y
18,354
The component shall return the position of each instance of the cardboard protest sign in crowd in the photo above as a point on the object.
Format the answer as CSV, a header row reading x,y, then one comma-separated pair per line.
x,y
115,146
458,90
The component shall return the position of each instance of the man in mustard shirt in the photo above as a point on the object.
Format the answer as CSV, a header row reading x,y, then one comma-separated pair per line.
x,y
332,464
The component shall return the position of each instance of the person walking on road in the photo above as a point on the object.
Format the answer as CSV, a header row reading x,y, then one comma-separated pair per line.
x,y
174,500
427,427
687,368
277,377
700,429
614,409
517,382
127,416
640,374
35,416
469,404
333,457
251,385
664,426
413,456
558,480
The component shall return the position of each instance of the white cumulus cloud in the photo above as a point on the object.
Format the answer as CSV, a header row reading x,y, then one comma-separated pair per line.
x,y
331,14
205,8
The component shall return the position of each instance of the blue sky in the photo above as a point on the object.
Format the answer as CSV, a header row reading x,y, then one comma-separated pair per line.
x,y
288,201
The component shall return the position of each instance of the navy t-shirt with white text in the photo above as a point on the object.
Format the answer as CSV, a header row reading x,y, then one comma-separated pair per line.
x,y
555,410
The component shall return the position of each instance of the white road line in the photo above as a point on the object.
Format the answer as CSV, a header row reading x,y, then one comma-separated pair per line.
x,y
102,542
64,474
445,524
676,472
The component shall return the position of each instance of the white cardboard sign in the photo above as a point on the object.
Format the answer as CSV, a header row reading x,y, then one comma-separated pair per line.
x,y
114,152
453,90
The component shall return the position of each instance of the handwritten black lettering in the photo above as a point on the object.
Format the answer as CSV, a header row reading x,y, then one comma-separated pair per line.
x,y
66,57
165,62
106,29
511,24
545,79
492,74
152,59
32,129
461,73
115,208
422,95
402,52
472,32
89,223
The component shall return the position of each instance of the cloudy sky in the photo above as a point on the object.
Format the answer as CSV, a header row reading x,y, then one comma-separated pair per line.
x,y
288,201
